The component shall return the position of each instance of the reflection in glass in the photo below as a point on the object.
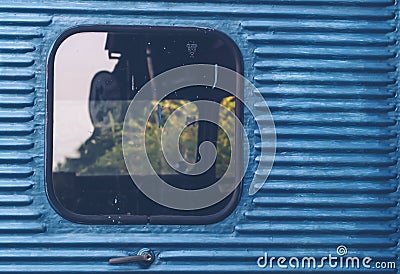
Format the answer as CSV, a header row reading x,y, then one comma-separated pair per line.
x,y
96,76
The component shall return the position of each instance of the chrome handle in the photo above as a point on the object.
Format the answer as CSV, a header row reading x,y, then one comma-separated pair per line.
x,y
145,257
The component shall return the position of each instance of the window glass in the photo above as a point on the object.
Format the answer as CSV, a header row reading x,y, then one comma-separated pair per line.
x,y
94,76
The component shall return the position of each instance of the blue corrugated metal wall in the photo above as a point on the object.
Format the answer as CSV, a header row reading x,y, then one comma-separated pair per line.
x,y
328,70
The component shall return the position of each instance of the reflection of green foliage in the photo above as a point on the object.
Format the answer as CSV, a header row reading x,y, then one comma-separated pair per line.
x,y
102,153
223,144
187,140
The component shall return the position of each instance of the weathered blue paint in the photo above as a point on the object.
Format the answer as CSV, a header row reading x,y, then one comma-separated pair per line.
x,y
328,70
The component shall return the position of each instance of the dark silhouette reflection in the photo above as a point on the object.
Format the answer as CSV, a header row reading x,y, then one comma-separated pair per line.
x,y
97,182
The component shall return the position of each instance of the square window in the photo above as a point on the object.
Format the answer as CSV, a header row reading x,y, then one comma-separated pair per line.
x,y
94,74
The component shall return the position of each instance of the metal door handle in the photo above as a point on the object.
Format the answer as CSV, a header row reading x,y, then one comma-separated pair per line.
x,y
145,257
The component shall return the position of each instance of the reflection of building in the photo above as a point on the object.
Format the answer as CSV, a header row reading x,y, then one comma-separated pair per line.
x,y
74,70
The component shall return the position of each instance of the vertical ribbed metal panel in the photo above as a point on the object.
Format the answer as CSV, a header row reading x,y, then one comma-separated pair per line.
x,y
328,70
18,36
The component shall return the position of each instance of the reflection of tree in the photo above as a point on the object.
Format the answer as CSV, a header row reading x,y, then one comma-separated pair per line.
x,y
223,144
187,141
102,153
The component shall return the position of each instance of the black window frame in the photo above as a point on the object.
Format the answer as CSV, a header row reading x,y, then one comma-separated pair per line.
x,y
133,219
